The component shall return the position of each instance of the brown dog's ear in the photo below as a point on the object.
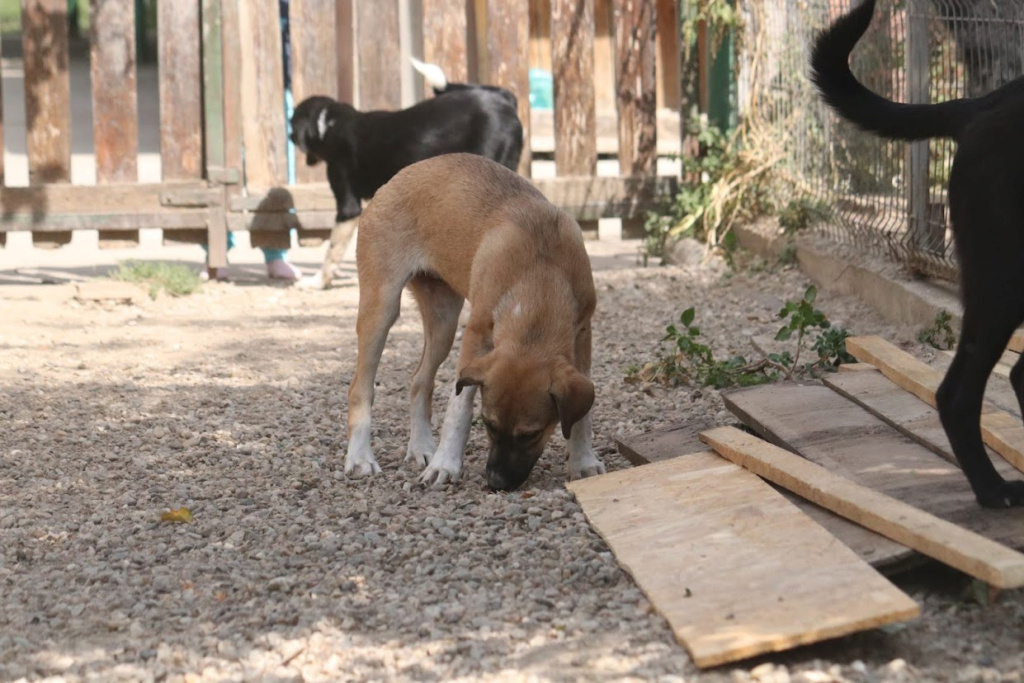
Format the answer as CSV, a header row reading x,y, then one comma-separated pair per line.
x,y
474,373
574,396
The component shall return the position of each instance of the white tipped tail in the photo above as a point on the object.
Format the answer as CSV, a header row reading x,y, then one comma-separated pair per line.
x,y
432,72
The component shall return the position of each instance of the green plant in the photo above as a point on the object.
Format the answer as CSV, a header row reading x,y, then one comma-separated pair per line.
x,y
176,280
801,213
693,362
940,333
719,16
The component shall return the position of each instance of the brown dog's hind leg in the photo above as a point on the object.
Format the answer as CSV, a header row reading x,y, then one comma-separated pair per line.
x,y
960,397
439,307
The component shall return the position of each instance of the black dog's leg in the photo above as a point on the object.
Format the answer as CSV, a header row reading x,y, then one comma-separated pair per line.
x,y
1017,381
960,398
348,205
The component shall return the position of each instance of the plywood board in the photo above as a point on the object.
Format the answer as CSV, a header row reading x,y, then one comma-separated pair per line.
x,y
998,430
998,391
1002,368
830,430
1016,342
905,413
965,550
735,568
672,442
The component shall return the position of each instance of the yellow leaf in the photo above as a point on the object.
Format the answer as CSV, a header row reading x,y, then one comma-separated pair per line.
x,y
179,515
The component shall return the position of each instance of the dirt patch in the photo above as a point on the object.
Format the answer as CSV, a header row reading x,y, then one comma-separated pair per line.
x,y
232,402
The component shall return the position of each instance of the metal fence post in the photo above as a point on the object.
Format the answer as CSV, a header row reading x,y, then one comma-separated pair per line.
x,y
919,238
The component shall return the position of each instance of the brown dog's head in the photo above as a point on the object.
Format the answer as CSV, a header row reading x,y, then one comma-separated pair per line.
x,y
523,399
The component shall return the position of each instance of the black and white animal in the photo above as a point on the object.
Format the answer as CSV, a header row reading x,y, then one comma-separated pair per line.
x,y
363,150
986,205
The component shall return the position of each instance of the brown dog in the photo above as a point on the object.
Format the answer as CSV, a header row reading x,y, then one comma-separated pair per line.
x,y
459,227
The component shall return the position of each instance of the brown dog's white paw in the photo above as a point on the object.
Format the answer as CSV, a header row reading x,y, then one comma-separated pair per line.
x,y
439,477
588,466
361,468
418,455
315,282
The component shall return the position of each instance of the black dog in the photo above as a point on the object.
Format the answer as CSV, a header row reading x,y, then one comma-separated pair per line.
x,y
986,203
363,150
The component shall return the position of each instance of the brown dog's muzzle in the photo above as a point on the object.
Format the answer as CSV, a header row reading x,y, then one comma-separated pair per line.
x,y
508,467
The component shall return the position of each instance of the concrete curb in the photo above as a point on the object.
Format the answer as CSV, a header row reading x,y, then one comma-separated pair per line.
x,y
901,300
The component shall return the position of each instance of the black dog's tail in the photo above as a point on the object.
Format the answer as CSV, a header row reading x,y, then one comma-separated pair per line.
x,y
434,75
830,71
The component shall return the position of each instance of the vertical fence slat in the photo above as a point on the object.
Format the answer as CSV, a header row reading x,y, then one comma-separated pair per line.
x,y
378,52
572,59
3,235
114,102
47,99
667,38
508,50
312,38
445,37
213,116
346,51
181,115
262,94
634,24
263,123
231,50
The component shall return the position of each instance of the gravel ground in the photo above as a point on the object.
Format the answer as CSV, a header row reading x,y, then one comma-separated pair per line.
x,y
232,402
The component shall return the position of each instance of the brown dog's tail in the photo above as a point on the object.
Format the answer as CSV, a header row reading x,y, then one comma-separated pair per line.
x,y
830,71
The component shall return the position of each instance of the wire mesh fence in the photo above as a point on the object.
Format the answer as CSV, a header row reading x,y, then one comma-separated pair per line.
x,y
886,197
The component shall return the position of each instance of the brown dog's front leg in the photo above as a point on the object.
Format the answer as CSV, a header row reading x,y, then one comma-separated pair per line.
x,y
583,462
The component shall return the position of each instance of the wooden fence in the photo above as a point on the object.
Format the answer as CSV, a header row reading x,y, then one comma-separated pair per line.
x,y
223,128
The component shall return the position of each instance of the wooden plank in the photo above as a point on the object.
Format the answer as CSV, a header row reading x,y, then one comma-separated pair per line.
x,y
346,50
857,367
508,51
667,95
998,391
445,40
735,568
47,90
575,118
584,198
311,39
662,444
635,23
999,430
1002,368
965,550
2,242
671,442
231,64
117,223
378,54
904,412
837,434
262,96
572,57
28,203
114,101
1016,342
215,139
181,104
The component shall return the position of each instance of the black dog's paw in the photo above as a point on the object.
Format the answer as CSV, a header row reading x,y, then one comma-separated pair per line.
x,y
1007,494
